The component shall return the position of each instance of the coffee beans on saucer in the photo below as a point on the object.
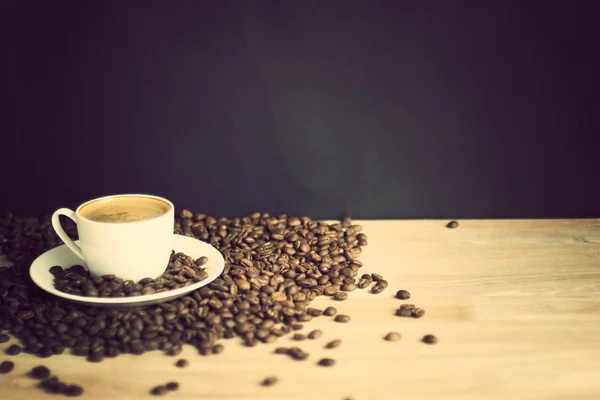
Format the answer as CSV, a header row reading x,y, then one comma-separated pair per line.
x,y
181,271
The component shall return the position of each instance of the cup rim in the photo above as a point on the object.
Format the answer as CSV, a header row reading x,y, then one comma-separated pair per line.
x,y
150,196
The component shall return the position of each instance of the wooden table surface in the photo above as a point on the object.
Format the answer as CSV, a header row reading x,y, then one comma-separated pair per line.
x,y
515,305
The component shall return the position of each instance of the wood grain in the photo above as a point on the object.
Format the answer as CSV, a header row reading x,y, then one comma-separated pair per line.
x,y
515,304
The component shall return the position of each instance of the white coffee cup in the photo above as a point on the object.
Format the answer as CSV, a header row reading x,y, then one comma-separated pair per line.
x,y
129,236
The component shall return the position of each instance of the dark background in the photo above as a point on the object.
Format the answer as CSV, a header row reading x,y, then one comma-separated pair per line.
x,y
377,109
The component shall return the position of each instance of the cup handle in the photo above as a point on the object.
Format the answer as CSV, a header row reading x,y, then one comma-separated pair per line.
x,y
61,232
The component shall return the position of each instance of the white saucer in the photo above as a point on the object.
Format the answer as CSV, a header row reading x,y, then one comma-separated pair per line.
x,y
61,255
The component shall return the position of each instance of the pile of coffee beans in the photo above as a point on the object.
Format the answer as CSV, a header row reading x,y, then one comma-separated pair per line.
x,y
274,267
181,271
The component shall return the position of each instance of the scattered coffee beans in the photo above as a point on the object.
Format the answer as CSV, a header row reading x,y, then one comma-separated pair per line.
x,y
342,318
55,386
315,334
330,311
4,338
403,294
172,386
452,224
392,336
13,350
326,362
270,381
40,372
333,344
281,350
429,339
182,271
6,367
299,336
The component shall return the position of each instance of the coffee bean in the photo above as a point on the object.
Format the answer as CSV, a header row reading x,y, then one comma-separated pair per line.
x,y
173,351
348,287
6,367
297,354
340,296
4,338
404,312
95,357
392,336
429,339
342,318
364,282
304,317
315,334
201,261
331,290
56,270
73,390
377,277
40,372
403,295
418,312
281,350
314,312
270,381
333,344
330,311
218,349
297,327
377,289
299,336
326,362
452,225
172,386
13,350
383,283
182,363
158,390
278,296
